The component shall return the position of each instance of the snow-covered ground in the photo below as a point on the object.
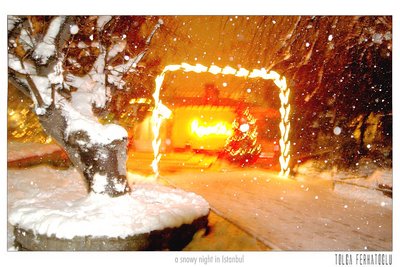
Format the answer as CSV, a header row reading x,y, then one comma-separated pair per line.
x,y
287,214
366,183
50,201
309,213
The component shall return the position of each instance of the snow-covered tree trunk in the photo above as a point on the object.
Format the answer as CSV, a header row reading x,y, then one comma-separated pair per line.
x,y
103,164
64,101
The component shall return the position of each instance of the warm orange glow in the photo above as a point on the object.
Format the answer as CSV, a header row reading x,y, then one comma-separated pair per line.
x,y
183,136
280,82
220,128
139,101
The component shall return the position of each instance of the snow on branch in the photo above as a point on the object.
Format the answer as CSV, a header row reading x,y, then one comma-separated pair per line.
x,y
56,76
42,65
91,88
102,21
26,40
116,49
103,73
19,66
156,27
47,47
12,22
43,86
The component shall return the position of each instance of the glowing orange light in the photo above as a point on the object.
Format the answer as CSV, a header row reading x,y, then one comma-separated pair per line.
x,y
139,101
280,82
220,128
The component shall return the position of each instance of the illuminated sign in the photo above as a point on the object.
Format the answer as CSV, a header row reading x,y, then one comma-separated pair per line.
x,y
220,128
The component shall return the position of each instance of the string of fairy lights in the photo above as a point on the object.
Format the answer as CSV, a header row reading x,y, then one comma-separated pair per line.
x,y
161,112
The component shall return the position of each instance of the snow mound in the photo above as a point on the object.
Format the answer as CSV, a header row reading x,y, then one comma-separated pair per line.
x,y
367,195
368,189
364,184
53,210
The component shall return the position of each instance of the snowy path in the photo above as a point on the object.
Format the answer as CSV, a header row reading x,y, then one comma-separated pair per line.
x,y
292,215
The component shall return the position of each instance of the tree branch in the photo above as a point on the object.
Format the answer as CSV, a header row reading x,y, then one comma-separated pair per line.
x,y
148,41
64,34
132,63
156,27
31,86
13,24
35,91
18,83
284,49
46,49
53,96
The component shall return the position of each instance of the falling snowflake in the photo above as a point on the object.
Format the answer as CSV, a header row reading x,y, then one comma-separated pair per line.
x,y
337,130
74,29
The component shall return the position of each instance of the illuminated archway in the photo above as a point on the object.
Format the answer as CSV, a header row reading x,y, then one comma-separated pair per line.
x,y
160,111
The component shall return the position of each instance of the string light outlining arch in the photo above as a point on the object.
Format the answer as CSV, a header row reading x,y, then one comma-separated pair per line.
x,y
161,112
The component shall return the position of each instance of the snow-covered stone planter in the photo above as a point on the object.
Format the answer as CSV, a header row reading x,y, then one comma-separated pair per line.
x,y
51,210
167,239
151,217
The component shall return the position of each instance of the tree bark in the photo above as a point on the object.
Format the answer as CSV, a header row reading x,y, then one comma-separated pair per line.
x,y
91,160
363,129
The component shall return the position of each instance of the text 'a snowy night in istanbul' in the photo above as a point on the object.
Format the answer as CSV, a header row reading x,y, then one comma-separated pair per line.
x,y
207,259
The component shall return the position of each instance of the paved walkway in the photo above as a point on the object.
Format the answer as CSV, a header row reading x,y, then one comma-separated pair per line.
x,y
224,236
291,215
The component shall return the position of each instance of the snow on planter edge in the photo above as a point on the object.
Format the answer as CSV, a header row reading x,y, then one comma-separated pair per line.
x,y
149,207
